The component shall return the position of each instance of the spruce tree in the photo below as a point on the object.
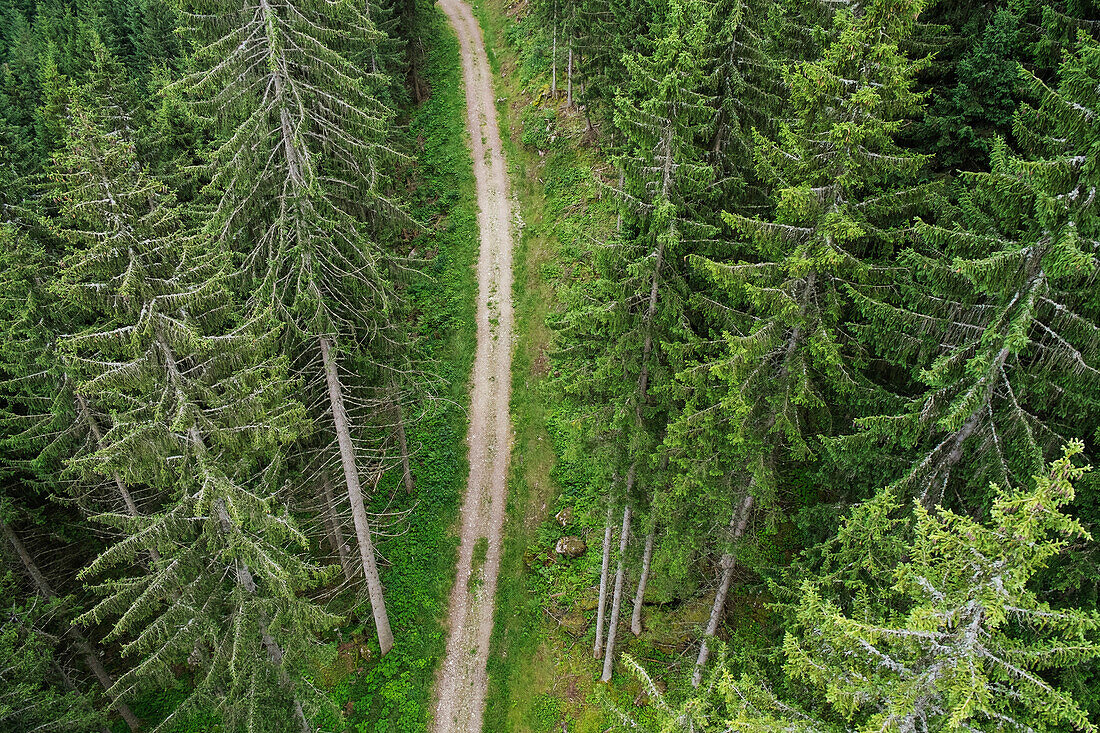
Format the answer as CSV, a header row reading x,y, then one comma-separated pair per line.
x,y
37,695
972,639
635,312
300,176
842,185
46,593
997,311
963,120
200,411
956,640
19,96
745,83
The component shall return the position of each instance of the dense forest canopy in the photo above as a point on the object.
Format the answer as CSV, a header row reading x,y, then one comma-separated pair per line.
x,y
837,339
853,265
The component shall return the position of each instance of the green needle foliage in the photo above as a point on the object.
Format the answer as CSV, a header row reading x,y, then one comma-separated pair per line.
x,y
901,295
199,407
300,168
970,640
746,87
959,640
630,320
786,367
831,246
999,311
33,697
963,121
302,172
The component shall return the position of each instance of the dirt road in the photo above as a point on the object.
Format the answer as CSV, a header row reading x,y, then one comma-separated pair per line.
x,y
460,689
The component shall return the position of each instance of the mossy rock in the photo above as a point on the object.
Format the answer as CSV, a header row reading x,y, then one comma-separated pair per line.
x,y
571,546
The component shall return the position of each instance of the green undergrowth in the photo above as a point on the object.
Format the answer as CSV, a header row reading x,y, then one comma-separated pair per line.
x,y
542,674
392,694
541,671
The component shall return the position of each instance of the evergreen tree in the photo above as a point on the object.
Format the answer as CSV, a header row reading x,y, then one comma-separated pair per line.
x,y
45,593
635,311
963,120
19,94
746,87
959,641
200,409
1056,27
37,694
300,176
1000,307
786,370
151,30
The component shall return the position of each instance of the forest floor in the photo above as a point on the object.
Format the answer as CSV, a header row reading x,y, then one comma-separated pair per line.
x,y
462,682
542,675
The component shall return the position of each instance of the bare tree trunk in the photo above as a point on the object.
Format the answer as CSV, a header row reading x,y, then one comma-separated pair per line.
x,y
647,558
274,652
336,535
79,639
622,184
738,523
554,60
569,77
580,79
373,54
647,346
355,496
597,648
616,602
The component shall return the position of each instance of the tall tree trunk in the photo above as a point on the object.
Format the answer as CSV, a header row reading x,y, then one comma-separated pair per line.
x,y
647,345
616,602
569,77
274,652
554,59
336,535
643,386
647,558
81,642
597,648
355,496
128,500
580,79
738,522
373,54
622,185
